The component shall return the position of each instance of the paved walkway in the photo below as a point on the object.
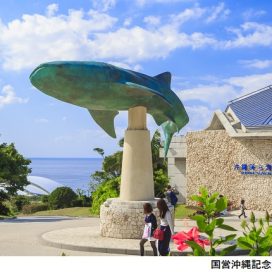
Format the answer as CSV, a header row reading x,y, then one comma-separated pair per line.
x,y
89,239
80,236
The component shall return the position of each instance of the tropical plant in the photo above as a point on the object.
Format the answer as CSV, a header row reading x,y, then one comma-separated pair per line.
x,y
257,236
13,174
100,151
209,207
107,189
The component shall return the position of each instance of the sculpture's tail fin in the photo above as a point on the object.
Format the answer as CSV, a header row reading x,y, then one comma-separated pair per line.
x,y
169,129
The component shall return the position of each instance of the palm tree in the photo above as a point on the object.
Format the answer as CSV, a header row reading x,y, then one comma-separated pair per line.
x,y
100,151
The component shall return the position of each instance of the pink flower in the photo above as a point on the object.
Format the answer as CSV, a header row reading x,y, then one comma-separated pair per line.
x,y
192,235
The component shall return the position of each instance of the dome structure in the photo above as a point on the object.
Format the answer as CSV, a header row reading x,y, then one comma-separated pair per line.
x,y
40,186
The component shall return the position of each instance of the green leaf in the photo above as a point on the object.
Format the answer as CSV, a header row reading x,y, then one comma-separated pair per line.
x,y
196,247
227,227
213,197
218,242
210,227
243,244
197,198
267,217
252,218
219,221
229,238
204,192
198,217
221,204
201,225
227,250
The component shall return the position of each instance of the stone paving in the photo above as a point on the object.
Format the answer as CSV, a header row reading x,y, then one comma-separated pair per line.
x,y
89,239
53,235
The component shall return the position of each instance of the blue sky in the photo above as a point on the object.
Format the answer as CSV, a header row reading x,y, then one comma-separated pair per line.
x,y
215,50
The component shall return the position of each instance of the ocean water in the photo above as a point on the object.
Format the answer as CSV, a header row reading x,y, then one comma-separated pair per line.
x,y
72,172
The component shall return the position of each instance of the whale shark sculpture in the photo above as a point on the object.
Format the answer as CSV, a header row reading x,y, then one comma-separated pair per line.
x,y
105,89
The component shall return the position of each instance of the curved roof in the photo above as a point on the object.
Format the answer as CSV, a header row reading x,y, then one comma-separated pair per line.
x,y
40,186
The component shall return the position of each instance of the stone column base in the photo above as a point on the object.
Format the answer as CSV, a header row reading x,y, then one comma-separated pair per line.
x,y
124,219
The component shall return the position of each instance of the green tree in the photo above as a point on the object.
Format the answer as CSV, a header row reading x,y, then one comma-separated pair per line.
x,y
109,177
62,197
13,173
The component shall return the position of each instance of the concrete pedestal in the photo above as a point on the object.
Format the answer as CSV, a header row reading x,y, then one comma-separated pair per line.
x,y
123,217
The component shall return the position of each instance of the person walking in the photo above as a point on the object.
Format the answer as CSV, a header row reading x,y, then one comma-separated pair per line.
x,y
242,208
171,196
150,222
166,225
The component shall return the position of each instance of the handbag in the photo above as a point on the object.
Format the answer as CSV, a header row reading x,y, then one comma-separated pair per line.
x,y
147,231
158,234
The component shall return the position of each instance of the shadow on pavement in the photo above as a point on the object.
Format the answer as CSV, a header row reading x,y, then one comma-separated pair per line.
x,y
37,219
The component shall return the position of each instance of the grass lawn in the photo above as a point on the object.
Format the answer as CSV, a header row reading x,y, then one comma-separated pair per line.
x,y
183,211
2,217
76,212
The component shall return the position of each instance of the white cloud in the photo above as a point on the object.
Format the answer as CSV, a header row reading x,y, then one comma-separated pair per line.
x,y
199,118
52,9
187,15
218,12
38,38
202,101
77,36
142,3
9,97
212,95
127,22
252,14
256,63
251,83
104,5
152,20
41,120
250,34
137,44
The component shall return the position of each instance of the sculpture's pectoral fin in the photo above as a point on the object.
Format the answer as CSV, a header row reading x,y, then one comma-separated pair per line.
x,y
105,119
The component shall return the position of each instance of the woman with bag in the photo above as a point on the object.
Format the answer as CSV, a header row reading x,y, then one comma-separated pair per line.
x,y
166,227
150,226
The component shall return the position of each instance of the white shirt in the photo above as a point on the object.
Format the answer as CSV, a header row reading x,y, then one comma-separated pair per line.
x,y
168,221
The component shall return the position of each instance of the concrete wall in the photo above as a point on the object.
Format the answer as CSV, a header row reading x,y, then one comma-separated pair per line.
x,y
211,156
176,158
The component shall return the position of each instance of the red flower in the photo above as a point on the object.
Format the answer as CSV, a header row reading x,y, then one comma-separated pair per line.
x,y
192,235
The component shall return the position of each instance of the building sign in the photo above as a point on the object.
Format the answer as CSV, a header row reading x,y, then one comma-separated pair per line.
x,y
254,169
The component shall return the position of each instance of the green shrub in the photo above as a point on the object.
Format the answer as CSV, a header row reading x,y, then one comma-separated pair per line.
x,y
107,189
34,207
4,210
257,236
161,180
20,201
45,198
62,197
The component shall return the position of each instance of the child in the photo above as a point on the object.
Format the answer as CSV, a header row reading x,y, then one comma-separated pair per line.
x,y
150,218
242,208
